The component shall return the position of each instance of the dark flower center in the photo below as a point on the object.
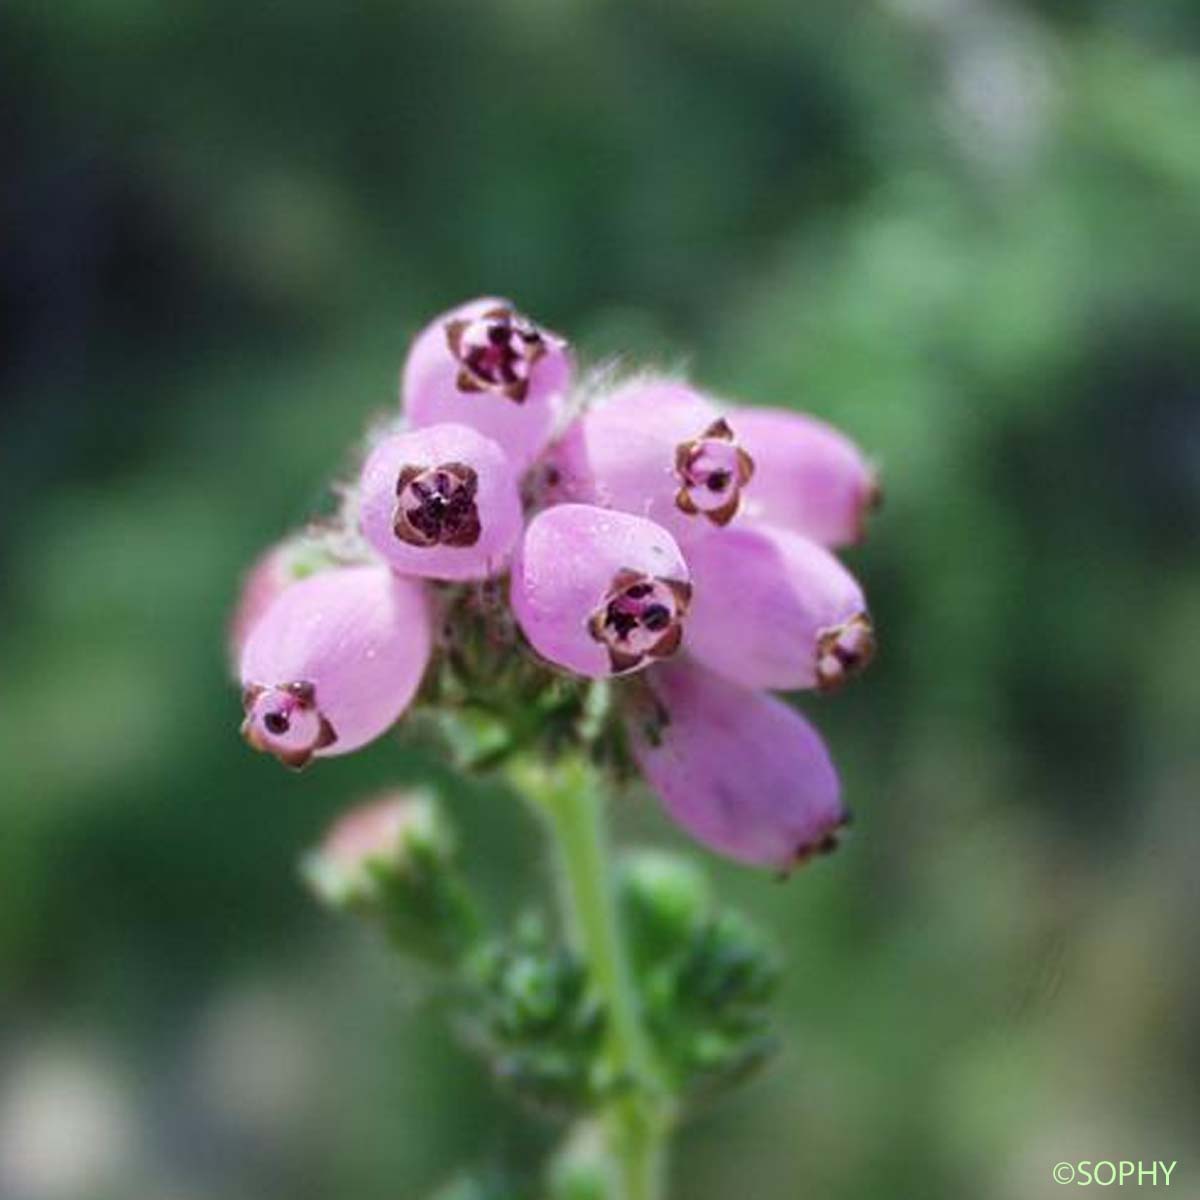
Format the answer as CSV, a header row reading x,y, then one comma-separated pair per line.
x,y
437,506
712,470
284,721
277,723
496,352
656,617
642,617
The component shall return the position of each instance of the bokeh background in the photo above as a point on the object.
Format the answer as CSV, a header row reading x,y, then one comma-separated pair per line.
x,y
967,231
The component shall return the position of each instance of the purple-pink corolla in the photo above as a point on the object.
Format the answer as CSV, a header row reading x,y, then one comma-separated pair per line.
x,y
741,771
656,532
811,479
600,592
775,610
440,502
658,448
333,662
487,365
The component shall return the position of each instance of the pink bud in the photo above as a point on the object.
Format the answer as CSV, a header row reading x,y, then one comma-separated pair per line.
x,y
599,592
657,448
333,662
440,502
774,610
741,771
369,833
485,365
809,477
269,574
370,840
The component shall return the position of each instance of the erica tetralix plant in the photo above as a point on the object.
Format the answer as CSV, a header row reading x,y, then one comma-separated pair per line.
x,y
575,583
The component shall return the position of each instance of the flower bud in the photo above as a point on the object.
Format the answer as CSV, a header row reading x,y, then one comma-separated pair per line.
x,y
395,859
664,900
809,477
440,502
709,1005
485,365
333,662
268,575
742,772
537,1020
599,592
377,842
772,609
657,448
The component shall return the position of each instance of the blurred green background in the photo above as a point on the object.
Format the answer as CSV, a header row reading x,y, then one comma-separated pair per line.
x,y
967,231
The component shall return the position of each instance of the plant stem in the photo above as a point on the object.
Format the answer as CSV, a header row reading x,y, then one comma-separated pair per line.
x,y
571,798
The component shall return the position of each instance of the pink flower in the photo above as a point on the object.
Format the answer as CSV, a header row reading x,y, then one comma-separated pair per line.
x,y
774,610
440,502
684,539
485,365
740,771
333,662
600,592
657,448
808,477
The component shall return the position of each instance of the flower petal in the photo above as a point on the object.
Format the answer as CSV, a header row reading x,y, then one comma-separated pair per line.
x,y
440,502
333,662
485,365
597,591
657,448
772,609
740,771
808,477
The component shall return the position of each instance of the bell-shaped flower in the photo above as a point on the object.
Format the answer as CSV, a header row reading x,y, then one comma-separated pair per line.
x,y
657,448
333,662
772,609
440,502
600,592
741,771
486,365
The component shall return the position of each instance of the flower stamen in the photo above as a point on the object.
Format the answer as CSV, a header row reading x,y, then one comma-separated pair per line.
x,y
641,617
843,651
496,352
822,846
285,721
712,470
436,506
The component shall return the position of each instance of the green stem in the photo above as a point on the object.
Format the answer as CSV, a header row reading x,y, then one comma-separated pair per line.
x,y
639,1120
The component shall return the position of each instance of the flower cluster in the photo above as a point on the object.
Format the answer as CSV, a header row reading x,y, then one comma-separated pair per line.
x,y
642,532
